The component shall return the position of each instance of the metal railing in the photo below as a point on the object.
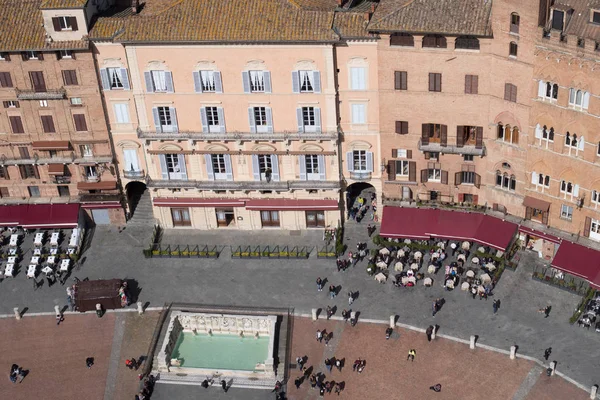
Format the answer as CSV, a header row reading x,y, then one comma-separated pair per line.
x,y
360,176
133,174
242,185
212,136
452,149
31,94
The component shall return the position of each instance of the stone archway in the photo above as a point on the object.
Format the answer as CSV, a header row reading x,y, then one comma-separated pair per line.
x,y
134,191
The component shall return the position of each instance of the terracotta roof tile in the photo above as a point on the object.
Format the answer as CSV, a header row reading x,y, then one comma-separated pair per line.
x,y
63,3
351,25
578,18
452,17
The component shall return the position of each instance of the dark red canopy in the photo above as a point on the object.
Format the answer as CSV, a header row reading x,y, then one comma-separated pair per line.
x,y
35,216
578,260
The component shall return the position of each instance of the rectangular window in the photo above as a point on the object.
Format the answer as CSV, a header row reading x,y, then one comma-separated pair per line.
x,y
207,79
434,174
468,177
306,84
566,187
76,101
513,48
43,103
29,171
11,104
4,192
468,157
37,81
114,78
218,164
578,99
32,55
566,212
63,191
265,166
24,153
69,77
65,54
34,191
510,92
402,127
358,114
468,135
212,119
435,82
400,80
174,170
4,172
159,81
48,124
471,84
558,18
5,80
91,172
121,113
360,161
269,218
308,119
595,16
358,78
260,119
4,57
225,217
80,124
86,150
181,217
164,116
433,132
315,219
64,23
402,168
312,167
16,124
257,81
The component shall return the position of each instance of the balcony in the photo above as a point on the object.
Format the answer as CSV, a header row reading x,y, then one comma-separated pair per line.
x,y
452,149
62,180
360,176
242,185
133,174
72,159
52,94
236,136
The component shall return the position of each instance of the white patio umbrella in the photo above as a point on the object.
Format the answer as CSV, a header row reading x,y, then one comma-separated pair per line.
x,y
418,255
461,257
384,251
400,253
475,260
431,269
380,277
485,278
466,245
470,274
453,246
464,286
490,266
427,281
407,241
382,265
412,279
481,249
398,266
440,245
414,266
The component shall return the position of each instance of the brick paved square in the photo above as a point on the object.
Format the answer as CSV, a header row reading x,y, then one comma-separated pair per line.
x,y
556,388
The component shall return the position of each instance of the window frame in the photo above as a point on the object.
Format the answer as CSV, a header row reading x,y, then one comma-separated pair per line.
x,y
311,165
471,84
401,167
510,92
513,49
358,158
309,120
207,81
306,84
358,75
515,22
566,212
159,77
260,119
435,82
115,80
256,80
355,113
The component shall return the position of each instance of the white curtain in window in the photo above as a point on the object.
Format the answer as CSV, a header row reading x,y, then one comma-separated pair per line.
x,y
256,79
121,113
357,78
159,80
131,160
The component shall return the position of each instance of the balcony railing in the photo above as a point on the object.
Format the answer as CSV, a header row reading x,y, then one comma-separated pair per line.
x,y
236,136
241,185
133,174
60,180
452,149
360,176
52,94
56,160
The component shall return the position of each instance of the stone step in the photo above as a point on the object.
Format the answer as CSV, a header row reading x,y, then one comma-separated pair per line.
x,y
173,378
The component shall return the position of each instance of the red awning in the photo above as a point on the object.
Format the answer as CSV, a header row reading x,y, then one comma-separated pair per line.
x,y
102,185
423,223
578,260
50,216
51,145
56,169
291,205
197,202
11,215
539,234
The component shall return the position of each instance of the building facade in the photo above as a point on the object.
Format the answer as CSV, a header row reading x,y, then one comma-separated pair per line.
x,y
55,144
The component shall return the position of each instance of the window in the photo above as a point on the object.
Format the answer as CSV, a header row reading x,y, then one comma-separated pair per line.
x,y
269,218
541,179
4,192
568,189
311,162
402,127
37,81
468,177
114,78
64,23
86,150
16,124
173,166
24,153
435,82
566,212
225,217
543,133
360,161
69,77
402,168
63,191
5,80
4,57
218,166
595,17
510,92
212,119
75,101
34,191
131,160
29,171
515,20
121,113
207,80
80,124
306,81
579,99
265,167
505,181
594,228
468,157
548,90
48,124
595,197
159,81
513,48
471,84
91,172
400,80
315,219
432,133
43,103
571,141
11,104
466,43
466,135
432,155
402,39
4,173
508,134
581,42
164,115
308,119
434,174
358,114
181,217
558,18
260,119
65,54
358,78
32,55
257,81
434,41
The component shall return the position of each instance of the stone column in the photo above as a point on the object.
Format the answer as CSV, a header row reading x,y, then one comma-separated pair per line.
x,y
314,314
392,321
593,392
140,307
17,313
472,344
57,310
513,352
553,367
433,333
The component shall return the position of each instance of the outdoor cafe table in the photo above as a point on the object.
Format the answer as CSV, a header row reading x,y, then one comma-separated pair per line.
x,y
13,240
52,260
31,270
54,238
47,270
12,251
8,271
12,260
64,264
35,260
54,251
37,252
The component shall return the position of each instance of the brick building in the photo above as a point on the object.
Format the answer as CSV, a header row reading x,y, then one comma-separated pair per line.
x,y
54,146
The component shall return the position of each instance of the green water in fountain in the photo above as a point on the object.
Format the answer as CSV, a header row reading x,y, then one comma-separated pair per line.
x,y
221,351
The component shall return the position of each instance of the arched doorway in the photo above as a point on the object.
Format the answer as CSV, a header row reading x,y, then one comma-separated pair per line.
x,y
134,191
357,190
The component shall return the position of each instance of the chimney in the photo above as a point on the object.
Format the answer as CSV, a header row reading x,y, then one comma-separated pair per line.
x,y
135,5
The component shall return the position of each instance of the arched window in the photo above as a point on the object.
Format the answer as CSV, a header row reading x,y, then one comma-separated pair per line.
x,y
505,181
435,41
513,183
515,136
513,49
498,178
402,39
547,180
500,131
466,42
515,21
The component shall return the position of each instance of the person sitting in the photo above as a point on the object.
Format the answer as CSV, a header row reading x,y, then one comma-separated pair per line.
x,y
362,366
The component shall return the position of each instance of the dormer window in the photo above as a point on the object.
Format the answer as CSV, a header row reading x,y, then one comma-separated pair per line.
x,y
467,42
558,20
65,54
32,55
435,41
64,24
595,17
402,39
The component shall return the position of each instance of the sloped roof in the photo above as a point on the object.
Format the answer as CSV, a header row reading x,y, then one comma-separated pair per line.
x,y
64,3
579,23
450,17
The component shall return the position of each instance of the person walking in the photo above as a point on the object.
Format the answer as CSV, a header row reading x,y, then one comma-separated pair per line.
x,y
89,362
547,353
319,336
345,315
328,364
332,291
429,332
338,388
350,298
496,305
411,355
338,364
329,311
327,338
313,381
388,333
297,383
434,308
59,318
319,284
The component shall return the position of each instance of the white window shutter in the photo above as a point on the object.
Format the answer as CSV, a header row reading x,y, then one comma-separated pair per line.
x,y
269,120
316,82
302,164
169,81
104,78
246,81
174,126
541,89
182,168
149,83
576,191
228,169
204,119
321,162
350,161
538,131
572,93
318,119
197,82
218,82
221,115
581,143
251,120
267,81
125,79
300,119
534,178
157,124
295,82
163,166
275,168
255,167
586,100
369,161
209,167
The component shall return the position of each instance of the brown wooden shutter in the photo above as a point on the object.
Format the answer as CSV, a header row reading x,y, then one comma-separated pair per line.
x,y
37,81
431,82
73,21
425,134
5,80
403,80
587,227
391,170
409,154
394,153
513,93
515,135
457,178
467,84
404,127
5,173
445,177
459,136
438,82
412,171
36,172
70,77
477,181
475,198
397,80
427,155
461,197
424,175
56,23
80,124
545,218
528,212
40,56
399,127
444,136
48,124
474,84
507,91
16,124
23,172
24,56
479,137
495,207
